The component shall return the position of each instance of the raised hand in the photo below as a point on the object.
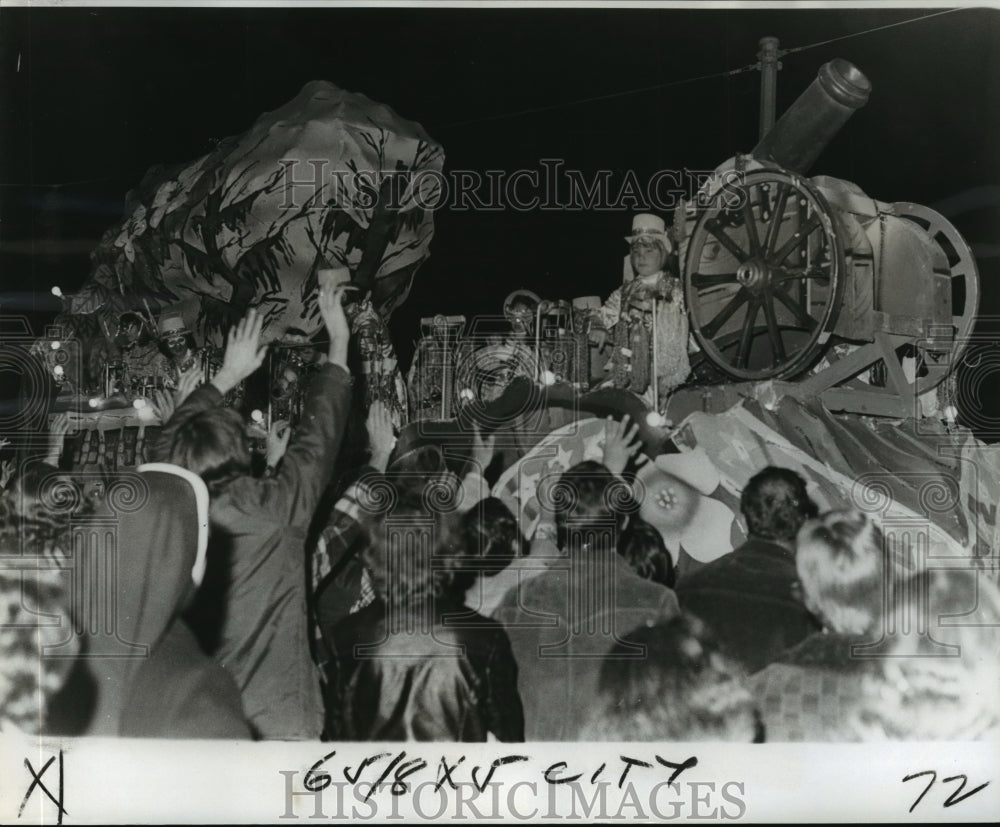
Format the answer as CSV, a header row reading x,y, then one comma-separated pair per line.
x,y
244,353
6,472
380,434
482,450
57,437
59,427
186,384
277,442
163,402
331,308
621,443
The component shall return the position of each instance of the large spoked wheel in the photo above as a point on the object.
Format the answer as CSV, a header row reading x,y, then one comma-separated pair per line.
x,y
763,277
938,362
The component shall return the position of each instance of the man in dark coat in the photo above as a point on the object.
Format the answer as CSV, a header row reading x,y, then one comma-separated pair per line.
x,y
259,527
751,598
416,664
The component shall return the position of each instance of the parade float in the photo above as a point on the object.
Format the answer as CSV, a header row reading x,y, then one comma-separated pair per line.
x,y
825,326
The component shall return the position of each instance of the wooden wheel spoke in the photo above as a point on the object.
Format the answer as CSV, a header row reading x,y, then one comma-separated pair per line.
x,y
774,315
746,334
796,240
717,232
773,331
751,226
797,309
777,218
712,328
704,280
795,273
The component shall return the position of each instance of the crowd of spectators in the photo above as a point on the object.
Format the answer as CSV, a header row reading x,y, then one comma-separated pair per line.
x,y
399,600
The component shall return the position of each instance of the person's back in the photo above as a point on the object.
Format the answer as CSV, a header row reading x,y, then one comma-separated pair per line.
x,y
751,598
564,620
559,636
432,680
253,613
150,678
417,664
812,692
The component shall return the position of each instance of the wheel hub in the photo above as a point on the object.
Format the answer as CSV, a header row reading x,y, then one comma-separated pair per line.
x,y
753,274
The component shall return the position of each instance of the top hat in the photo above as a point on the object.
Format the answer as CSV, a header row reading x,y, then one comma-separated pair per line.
x,y
172,323
649,227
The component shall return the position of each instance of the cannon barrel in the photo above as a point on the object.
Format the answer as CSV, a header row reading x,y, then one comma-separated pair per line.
x,y
810,123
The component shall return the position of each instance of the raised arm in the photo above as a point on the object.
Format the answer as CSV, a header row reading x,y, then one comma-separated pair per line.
x,y
293,493
244,354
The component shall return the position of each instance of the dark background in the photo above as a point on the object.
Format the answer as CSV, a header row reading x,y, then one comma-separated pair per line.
x,y
90,98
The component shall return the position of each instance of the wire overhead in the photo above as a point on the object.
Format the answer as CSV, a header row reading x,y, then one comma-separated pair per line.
x,y
727,73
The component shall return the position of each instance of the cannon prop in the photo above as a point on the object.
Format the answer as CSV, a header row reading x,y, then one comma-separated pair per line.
x,y
867,304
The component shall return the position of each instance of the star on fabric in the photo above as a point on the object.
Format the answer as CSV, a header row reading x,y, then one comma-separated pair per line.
x,y
562,460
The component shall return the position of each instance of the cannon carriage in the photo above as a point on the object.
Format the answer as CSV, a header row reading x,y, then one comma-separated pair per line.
x,y
868,305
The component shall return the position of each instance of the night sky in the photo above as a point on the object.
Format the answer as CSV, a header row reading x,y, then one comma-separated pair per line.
x,y
93,97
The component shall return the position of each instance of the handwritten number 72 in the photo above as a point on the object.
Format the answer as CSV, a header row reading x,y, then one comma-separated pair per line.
x,y
957,795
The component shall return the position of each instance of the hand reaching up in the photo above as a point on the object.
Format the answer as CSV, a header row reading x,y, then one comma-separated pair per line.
x,y
380,434
277,442
186,384
482,450
331,308
244,353
163,403
6,472
59,428
621,444
57,437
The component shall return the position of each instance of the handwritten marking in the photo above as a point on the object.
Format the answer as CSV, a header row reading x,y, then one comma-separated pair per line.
x,y
957,797
36,781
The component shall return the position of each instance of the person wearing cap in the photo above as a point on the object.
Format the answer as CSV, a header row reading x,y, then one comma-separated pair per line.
x,y
138,350
644,356
178,342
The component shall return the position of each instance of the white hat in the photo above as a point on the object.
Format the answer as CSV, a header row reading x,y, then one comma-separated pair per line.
x,y
687,516
647,225
172,323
